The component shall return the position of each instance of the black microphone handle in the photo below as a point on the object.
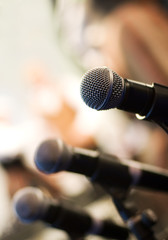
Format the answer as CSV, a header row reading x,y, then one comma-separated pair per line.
x,y
79,223
146,101
116,173
53,156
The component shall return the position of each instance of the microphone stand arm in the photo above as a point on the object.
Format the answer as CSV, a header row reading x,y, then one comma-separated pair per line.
x,y
139,224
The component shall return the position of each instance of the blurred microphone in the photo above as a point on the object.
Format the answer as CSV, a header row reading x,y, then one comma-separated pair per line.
x,y
30,204
102,88
53,156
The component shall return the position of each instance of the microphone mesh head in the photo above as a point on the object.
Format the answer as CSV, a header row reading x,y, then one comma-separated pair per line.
x,y
28,204
52,156
102,88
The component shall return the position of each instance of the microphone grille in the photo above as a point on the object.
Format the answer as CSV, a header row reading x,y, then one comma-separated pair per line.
x,y
28,204
52,156
102,88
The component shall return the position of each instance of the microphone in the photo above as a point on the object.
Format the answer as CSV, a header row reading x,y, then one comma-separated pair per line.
x,y
30,205
102,89
53,156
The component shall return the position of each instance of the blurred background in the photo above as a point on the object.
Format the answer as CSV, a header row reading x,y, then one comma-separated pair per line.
x,y
45,48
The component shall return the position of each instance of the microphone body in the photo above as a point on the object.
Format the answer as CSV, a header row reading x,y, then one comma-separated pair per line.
x,y
146,101
102,88
53,156
30,205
